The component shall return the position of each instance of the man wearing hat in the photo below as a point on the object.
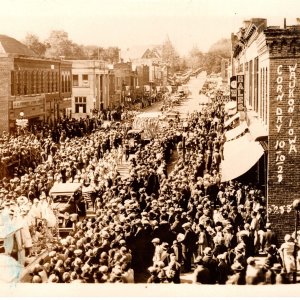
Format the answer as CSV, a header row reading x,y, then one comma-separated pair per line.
x,y
157,250
173,269
238,278
201,273
223,269
188,246
251,271
210,263
269,237
280,276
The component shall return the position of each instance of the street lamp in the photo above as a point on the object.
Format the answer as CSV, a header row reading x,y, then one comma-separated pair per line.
x,y
296,206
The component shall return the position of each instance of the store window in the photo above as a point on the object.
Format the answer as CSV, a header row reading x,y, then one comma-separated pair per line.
x,y
80,105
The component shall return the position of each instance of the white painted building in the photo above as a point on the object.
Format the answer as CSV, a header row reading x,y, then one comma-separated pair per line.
x,y
90,87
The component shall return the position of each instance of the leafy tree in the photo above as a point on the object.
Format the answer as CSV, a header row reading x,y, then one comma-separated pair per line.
x,y
32,42
59,44
78,52
210,61
110,54
170,55
195,58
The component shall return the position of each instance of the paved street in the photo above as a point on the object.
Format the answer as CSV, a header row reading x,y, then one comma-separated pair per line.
x,y
192,103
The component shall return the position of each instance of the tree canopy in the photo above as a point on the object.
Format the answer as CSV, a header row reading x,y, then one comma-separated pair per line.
x,y
58,44
210,61
32,42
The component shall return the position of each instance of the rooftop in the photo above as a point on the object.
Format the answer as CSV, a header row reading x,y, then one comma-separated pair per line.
x,y
9,45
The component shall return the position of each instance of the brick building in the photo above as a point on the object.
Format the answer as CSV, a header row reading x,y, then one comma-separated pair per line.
x,y
268,58
38,88
90,87
125,83
150,61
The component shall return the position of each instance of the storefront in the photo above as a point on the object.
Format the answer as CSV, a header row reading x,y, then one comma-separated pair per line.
x,y
31,108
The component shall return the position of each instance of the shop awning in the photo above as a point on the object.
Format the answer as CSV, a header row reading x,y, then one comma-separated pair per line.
x,y
240,156
233,133
230,106
258,131
231,112
231,119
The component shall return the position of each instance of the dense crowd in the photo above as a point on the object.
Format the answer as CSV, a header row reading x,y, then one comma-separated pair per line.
x,y
154,223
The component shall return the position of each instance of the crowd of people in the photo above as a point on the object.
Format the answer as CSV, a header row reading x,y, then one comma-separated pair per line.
x,y
153,225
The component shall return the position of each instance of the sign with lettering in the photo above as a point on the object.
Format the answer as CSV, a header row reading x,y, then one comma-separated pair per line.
x,y
28,102
285,102
233,91
240,92
222,98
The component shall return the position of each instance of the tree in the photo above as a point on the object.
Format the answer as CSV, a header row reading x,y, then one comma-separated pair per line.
x,y
222,46
78,52
110,54
210,61
32,42
59,44
169,54
195,58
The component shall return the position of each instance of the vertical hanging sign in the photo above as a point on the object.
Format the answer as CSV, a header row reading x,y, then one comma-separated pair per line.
x,y
233,91
240,92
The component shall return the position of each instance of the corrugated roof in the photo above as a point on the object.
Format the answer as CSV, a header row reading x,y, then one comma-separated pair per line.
x,y
9,45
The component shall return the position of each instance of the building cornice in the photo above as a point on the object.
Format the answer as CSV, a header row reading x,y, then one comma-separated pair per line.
x,y
283,42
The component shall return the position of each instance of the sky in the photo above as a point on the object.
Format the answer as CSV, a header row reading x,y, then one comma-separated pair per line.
x,y
128,23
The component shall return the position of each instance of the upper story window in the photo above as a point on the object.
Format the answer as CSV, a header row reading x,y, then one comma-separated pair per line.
x,y
12,83
63,89
85,80
75,80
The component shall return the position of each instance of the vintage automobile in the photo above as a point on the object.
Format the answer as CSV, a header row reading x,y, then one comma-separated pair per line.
x,y
135,139
68,203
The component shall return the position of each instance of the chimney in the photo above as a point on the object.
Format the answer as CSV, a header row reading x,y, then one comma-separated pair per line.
x,y
284,23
